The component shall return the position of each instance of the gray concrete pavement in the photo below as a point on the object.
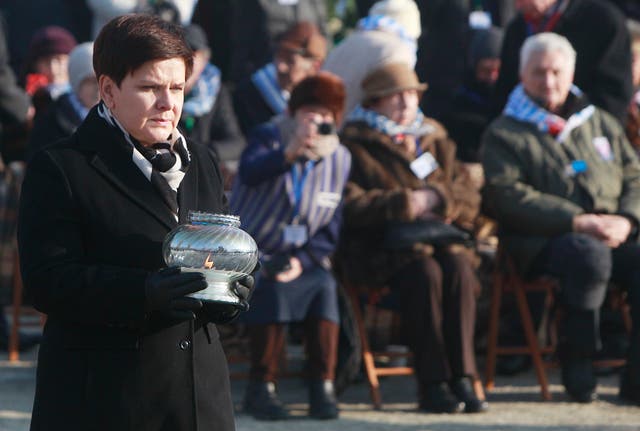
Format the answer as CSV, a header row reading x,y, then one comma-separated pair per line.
x,y
515,405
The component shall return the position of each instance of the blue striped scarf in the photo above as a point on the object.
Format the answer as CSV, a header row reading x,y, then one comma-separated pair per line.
x,y
389,25
266,81
267,208
389,127
523,108
204,93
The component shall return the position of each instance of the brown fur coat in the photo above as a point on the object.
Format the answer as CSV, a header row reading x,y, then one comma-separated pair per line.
x,y
378,193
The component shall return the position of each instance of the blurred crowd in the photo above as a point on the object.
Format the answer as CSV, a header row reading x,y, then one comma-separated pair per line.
x,y
343,126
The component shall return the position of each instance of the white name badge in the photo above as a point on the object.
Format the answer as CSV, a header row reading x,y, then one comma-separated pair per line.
x,y
288,2
479,20
295,234
424,165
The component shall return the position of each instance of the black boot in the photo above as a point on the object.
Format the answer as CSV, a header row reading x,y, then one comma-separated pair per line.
x,y
463,390
437,398
322,400
261,401
579,379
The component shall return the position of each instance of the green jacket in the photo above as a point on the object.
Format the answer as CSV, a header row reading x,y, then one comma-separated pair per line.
x,y
533,198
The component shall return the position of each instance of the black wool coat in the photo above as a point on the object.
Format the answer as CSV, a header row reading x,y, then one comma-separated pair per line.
x,y
90,230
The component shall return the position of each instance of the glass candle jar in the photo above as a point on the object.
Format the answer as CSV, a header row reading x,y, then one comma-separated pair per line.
x,y
215,245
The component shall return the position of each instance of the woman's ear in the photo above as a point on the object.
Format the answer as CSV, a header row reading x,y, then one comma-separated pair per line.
x,y
107,91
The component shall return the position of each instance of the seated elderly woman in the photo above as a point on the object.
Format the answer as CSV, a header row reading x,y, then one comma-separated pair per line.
x,y
404,171
288,193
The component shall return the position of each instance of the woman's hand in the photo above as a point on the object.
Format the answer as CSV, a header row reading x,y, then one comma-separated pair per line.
x,y
292,273
422,202
302,143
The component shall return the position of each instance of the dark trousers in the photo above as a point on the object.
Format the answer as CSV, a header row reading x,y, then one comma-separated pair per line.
x,y
267,345
438,304
584,267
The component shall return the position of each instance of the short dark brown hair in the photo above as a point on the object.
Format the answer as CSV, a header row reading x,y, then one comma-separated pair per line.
x,y
127,42
323,89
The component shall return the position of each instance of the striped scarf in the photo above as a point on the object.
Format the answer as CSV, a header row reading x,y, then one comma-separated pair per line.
x,y
523,108
389,25
204,93
158,163
389,127
266,81
267,208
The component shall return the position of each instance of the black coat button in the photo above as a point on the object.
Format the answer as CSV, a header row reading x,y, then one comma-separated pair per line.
x,y
184,344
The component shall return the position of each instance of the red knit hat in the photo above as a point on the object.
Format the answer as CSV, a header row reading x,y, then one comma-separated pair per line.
x,y
323,89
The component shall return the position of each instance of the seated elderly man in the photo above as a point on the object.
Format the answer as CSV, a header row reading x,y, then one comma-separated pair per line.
x,y
564,185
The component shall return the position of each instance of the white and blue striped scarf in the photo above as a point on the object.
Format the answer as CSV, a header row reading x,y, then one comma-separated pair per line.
x,y
204,93
266,81
389,25
523,108
389,127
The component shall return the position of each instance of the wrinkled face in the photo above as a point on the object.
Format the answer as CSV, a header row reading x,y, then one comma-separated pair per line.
x,y
533,8
487,70
88,92
293,68
401,107
148,102
547,78
54,67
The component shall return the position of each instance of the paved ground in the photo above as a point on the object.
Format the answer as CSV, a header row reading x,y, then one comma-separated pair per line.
x,y
515,405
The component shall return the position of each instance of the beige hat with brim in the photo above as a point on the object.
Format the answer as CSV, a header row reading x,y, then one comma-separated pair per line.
x,y
389,79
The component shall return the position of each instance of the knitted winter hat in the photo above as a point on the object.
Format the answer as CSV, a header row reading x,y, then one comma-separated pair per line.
x,y
304,38
388,79
404,12
51,40
323,89
485,43
80,64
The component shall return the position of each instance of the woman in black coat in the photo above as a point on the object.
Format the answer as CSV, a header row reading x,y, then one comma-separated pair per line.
x,y
123,347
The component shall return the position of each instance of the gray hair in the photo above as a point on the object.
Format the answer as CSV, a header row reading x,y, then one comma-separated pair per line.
x,y
547,42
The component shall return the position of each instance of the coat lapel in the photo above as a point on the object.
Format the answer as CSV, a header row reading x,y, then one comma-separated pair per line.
x,y
113,161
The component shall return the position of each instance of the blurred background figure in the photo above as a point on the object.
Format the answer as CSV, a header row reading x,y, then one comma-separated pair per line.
x,y
15,110
66,113
175,11
404,174
208,117
299,54
389,34
289,195
471,110
46,74
256,26
633,118
598,33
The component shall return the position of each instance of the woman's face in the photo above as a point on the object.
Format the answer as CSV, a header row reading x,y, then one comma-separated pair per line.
x,y
54,67
148,102
88,93
401,107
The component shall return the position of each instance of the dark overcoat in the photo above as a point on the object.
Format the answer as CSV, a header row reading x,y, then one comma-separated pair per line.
x,y
91,228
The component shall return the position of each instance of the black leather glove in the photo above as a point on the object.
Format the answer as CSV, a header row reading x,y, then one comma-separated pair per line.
x,y
165,291
223,312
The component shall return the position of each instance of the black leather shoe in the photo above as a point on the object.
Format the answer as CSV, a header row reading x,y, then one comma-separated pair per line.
x,y
261,401
322,400
629,390
463,390
438,398
579,379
